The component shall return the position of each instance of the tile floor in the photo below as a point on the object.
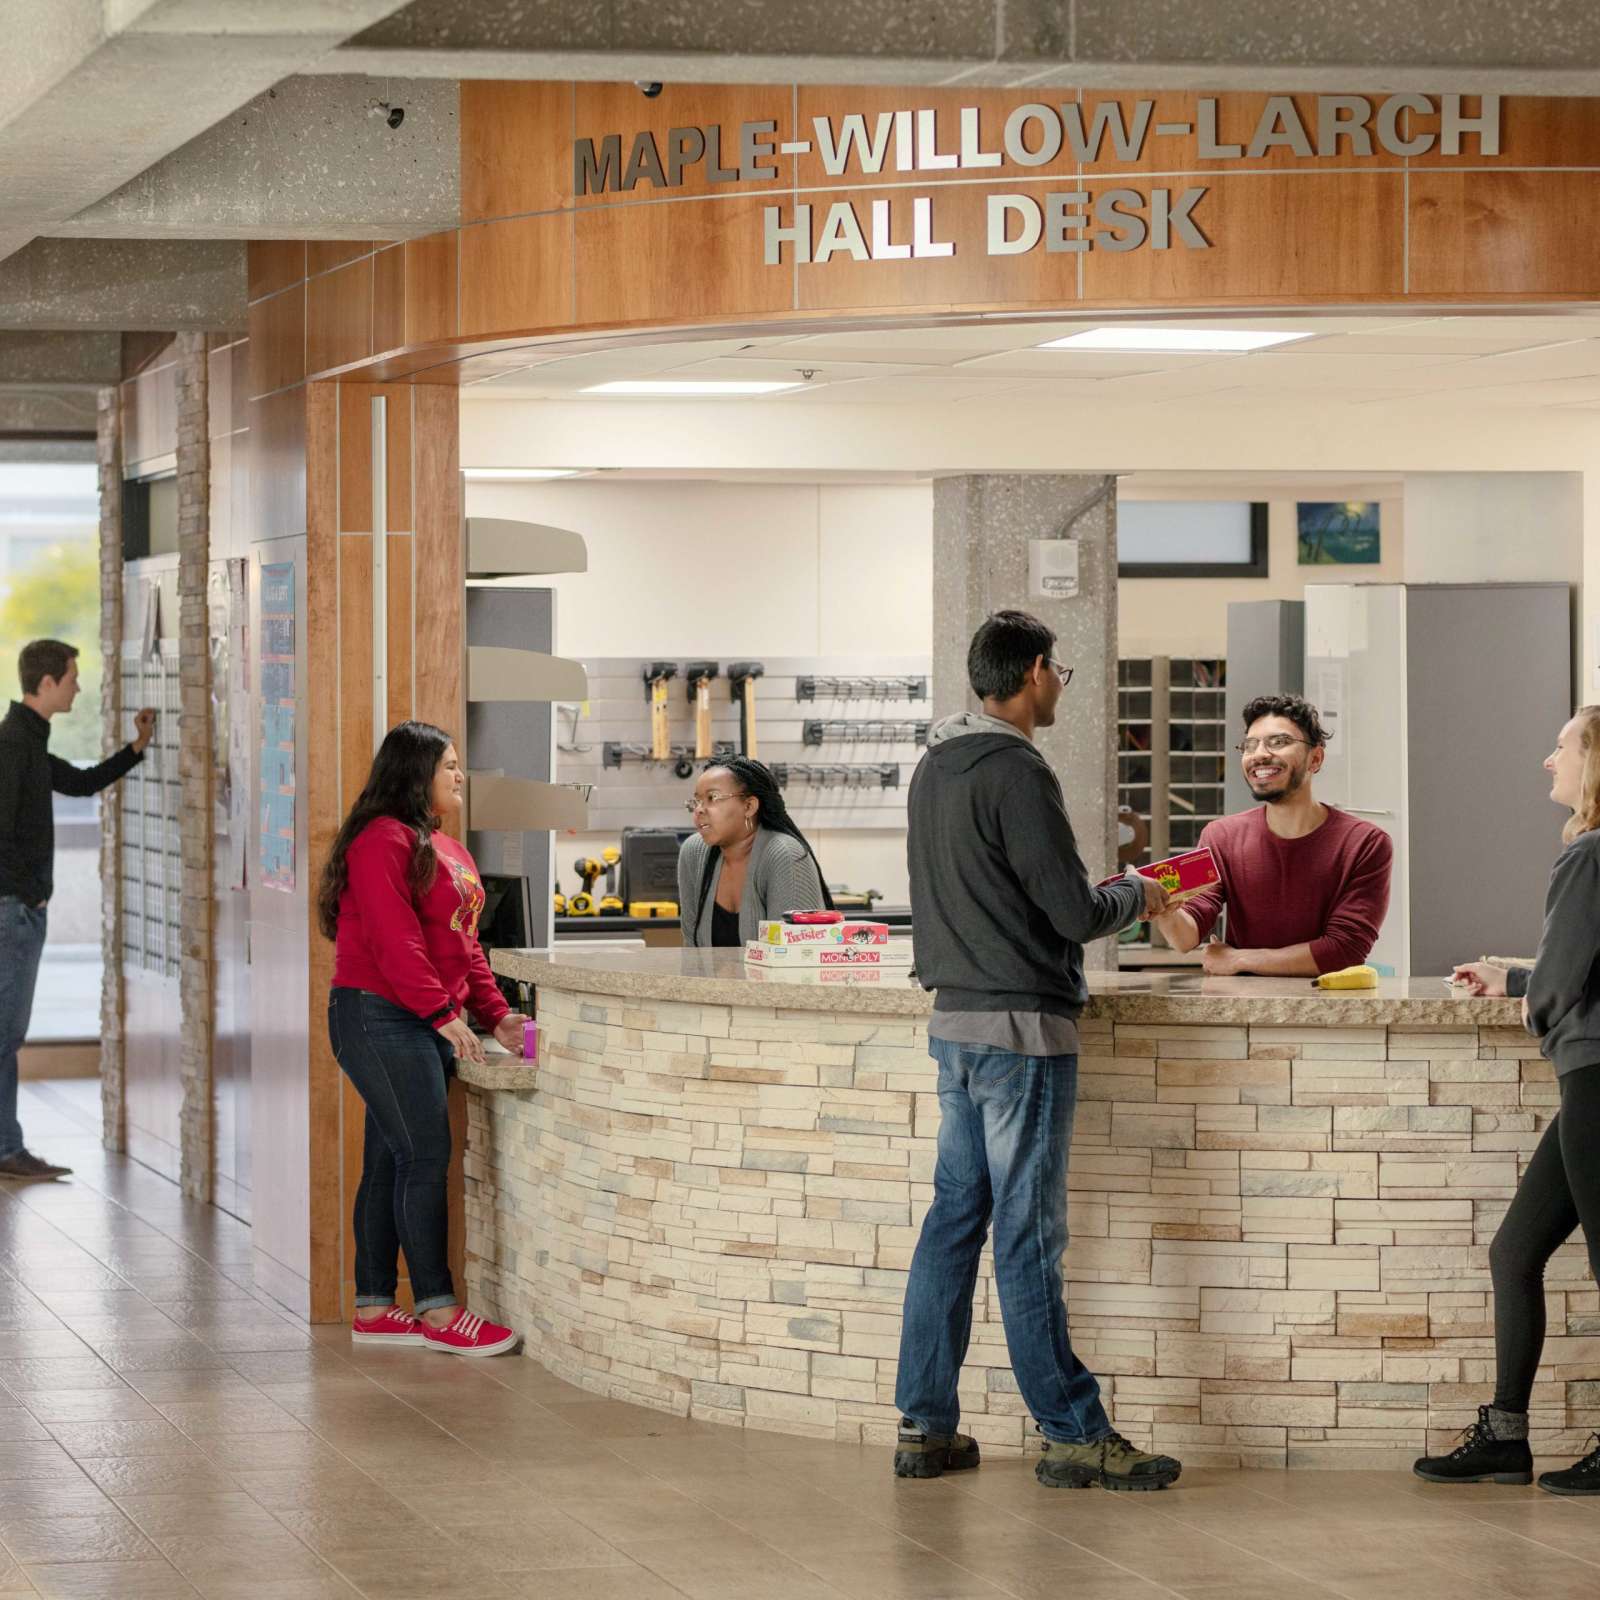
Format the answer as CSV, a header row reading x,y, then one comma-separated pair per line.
x,y
163,1434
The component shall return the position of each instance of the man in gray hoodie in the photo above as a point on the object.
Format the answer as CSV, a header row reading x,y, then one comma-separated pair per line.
x,y
1001,908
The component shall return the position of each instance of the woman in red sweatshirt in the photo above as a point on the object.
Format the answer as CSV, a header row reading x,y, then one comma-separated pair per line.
x,y
401,899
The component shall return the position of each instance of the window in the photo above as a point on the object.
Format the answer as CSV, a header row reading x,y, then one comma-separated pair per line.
x,y
1191,538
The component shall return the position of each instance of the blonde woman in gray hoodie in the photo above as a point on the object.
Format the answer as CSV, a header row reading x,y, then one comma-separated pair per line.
x,y
1560,1190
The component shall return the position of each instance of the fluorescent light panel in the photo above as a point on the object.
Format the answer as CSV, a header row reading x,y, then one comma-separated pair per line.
x,y
682,386
1174,341
490,474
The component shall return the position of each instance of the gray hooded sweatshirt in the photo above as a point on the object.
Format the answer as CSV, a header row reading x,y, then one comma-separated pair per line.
x,y
1001,904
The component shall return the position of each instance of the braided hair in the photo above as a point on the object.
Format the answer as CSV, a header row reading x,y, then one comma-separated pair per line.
x,y
756,780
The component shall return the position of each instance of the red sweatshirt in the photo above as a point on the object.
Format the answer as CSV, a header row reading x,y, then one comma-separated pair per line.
x,y
1329,890
422,954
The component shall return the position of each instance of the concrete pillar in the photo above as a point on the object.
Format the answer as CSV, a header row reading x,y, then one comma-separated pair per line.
x,y
113,1104
196,989
982,527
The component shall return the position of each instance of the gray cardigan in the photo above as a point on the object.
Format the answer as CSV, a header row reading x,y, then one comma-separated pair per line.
x,y
1563,987
780,878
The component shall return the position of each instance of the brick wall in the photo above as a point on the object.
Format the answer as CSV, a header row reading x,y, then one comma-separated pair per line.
x,y
1279,1234
113,1124
196,987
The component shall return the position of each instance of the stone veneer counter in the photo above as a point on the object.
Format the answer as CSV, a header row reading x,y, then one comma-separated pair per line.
x,y
706,1196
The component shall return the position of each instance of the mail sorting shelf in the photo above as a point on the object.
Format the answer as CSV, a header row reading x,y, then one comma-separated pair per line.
x,y
152,837
1171,746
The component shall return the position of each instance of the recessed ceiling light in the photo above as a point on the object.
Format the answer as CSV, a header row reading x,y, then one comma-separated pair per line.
x,y
1174,341
691,386
493,473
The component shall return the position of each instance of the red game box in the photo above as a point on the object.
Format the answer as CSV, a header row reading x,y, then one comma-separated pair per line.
x,y
1181,876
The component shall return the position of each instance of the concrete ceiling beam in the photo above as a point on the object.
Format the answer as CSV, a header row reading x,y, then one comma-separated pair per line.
x,y
305,160
112,284
52,412
1539,47
59,360
92,94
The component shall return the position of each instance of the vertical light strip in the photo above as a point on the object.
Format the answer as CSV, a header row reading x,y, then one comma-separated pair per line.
x,y
380,571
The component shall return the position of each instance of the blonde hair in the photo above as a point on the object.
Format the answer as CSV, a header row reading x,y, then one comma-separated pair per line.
x,y
1586,814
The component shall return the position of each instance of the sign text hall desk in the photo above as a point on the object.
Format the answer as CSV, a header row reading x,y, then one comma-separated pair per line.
x,y
706,1198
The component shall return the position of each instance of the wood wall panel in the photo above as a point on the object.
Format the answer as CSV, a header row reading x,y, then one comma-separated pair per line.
x,y
150,415
273,264
402,624
518,274
397,449
1503,234
355,458
323,255
603,108
278,341
1534,132
319,403
389,298
1039,278
440,564
431,287
1362,259
277,465
517,156
339,317
668,262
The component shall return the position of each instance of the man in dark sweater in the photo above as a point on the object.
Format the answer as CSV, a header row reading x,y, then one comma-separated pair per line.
x,y
1306,886
1002,907
28,774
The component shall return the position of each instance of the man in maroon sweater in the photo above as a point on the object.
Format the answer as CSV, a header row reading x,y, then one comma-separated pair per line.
x,y
1306,886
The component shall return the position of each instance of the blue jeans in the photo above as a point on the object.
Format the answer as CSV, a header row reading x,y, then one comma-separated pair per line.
x,y
21,944
401,1068
1007,1122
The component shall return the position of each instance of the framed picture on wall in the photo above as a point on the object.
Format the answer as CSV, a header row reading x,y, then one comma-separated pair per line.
x,y
1191,538
1339,533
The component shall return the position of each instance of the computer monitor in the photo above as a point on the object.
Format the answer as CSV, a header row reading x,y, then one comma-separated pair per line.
x,y
504,925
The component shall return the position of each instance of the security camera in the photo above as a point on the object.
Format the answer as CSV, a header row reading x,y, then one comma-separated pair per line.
x,y
397,115
648,90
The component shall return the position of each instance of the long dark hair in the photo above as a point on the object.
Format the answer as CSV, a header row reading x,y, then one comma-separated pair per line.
x,y
400,785
756,780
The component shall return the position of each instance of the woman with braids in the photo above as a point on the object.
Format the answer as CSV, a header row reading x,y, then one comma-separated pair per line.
x,y
1560,1190
747,862
401,899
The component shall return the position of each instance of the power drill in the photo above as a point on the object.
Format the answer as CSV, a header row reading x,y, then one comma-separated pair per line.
x,y
589,870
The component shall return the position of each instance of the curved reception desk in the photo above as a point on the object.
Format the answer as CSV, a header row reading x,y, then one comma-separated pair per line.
x,y
706,1196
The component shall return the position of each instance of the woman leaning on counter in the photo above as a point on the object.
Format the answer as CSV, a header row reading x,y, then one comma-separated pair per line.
x,y
746,862
1560,1190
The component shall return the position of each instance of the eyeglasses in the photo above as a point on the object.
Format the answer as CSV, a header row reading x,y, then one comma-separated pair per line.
x,y
712,799
1063,673
1273,741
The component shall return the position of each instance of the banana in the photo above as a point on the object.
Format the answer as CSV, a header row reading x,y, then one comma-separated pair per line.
x,y
1348,978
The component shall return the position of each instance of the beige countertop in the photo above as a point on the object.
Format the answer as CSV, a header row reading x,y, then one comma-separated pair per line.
x,y
720,977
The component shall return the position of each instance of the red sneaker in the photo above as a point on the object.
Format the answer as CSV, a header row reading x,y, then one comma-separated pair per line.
x,y
393,1327
469,1335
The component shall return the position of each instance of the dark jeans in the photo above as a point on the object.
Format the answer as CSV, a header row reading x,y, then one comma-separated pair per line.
x,y
1007,1122
1560,1190
22,929
400,1067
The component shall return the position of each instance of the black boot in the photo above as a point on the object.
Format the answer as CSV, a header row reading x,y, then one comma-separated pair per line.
x,y
1582,1477
1485,1454
919,1454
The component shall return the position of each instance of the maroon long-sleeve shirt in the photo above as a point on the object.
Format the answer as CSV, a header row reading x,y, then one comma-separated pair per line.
x,y
418,952
1329,889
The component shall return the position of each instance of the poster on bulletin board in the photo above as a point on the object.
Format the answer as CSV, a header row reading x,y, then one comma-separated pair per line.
x,y
276,766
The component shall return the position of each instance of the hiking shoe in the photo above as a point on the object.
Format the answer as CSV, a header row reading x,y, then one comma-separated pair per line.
x,y
1483,1457
24,1164
1111,1462
469,1335
393,1327
918,1454
1582,1477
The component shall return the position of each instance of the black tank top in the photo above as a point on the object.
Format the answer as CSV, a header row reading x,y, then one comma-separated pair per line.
x,y
724,928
